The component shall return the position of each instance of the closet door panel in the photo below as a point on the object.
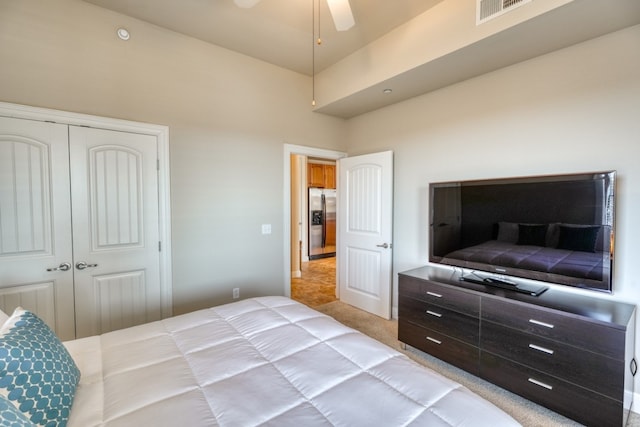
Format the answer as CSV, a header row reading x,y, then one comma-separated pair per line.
x,y
115,182
115,229
35,231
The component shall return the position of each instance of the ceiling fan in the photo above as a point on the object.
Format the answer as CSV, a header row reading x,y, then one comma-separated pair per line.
x,y
340,12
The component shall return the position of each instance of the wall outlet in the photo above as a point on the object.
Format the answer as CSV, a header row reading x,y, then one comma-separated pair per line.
x,y
236,293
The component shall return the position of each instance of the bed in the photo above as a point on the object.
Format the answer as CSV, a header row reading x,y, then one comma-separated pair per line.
x,y
578,264
266,361
557,252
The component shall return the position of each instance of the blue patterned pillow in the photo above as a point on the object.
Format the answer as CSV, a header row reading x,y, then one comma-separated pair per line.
x,y
10,416
37,374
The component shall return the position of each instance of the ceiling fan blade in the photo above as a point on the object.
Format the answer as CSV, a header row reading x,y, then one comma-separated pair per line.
x,y
246,4
341,13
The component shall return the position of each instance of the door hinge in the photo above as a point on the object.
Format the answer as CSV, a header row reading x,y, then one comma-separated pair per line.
x,y
160,246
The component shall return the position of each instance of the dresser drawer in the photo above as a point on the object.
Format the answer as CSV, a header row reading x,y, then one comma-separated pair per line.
x,y
580,367
556,326
443,347
587,407
434,317
441,295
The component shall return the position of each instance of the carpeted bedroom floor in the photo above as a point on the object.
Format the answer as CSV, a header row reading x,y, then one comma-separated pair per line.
x,y
316,288
386,331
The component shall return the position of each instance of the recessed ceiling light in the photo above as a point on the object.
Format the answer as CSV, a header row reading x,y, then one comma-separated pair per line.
x,y
387,90
123,34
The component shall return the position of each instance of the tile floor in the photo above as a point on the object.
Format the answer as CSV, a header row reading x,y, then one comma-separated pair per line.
x,y
317,285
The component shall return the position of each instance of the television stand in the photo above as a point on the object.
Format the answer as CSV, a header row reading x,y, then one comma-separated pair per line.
x,y
516,287
572,353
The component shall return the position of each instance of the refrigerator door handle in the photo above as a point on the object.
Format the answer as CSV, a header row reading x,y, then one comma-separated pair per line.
x,y
323,201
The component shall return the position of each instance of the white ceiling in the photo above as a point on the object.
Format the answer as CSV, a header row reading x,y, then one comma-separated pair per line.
x,y
275,31
280,32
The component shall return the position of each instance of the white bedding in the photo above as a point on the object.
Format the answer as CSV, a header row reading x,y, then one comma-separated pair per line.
x,y
263,361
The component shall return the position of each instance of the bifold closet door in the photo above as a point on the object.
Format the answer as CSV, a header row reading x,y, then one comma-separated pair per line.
x,y
35,227
114,187
79,226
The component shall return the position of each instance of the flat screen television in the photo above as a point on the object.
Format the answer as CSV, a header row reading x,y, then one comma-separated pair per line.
x,y
555,229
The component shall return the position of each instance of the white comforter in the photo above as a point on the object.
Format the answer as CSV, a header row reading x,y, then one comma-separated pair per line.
x,y
263,361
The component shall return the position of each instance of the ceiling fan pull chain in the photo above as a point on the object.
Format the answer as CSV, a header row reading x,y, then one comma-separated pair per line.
x,y
319,39
313,53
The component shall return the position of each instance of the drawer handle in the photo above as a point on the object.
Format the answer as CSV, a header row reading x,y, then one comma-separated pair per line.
x,y
433,294
540,383
542,349
433,313
434,340
539,323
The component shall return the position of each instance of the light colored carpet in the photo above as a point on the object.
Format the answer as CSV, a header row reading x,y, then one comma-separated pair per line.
x,y
386,331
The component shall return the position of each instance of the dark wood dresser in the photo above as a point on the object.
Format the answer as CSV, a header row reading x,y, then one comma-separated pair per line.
x,y
572,353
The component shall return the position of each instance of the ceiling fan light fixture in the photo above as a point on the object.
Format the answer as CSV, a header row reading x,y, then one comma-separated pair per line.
x,y
341,14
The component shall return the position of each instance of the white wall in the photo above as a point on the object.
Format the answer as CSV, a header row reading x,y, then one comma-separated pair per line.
x,y
229,117
574,110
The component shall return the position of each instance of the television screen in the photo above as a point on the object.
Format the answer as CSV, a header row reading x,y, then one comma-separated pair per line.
x,y
556,229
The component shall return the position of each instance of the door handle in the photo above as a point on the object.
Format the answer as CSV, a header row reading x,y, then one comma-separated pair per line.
x,y
384,245
62,267
82,265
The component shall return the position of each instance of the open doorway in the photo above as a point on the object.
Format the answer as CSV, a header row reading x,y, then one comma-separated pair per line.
x,y
310,262
364,237
316,283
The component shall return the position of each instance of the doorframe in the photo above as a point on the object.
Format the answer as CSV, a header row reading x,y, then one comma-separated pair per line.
x,y
161,132
302,150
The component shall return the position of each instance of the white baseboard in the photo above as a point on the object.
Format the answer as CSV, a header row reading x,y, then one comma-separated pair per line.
x,y
635,406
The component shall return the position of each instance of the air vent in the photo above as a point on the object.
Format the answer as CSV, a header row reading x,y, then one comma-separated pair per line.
x,y
489,9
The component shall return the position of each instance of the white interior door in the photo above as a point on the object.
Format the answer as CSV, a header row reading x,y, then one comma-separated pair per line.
x,y
365,209
114,183
35,226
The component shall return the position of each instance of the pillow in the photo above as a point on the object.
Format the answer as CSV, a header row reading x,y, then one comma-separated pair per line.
x,y
10,416
3,317
37,374
553,235
507,232
580,238
532,234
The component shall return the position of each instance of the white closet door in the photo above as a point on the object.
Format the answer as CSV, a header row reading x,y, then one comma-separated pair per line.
x,y
35,231
114,183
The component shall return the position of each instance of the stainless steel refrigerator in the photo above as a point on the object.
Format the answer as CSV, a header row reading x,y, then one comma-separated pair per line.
x,y
322,223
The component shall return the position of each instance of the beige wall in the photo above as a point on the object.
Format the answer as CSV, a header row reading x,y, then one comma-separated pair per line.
x,y
574,110
229,116
577,109
447,27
